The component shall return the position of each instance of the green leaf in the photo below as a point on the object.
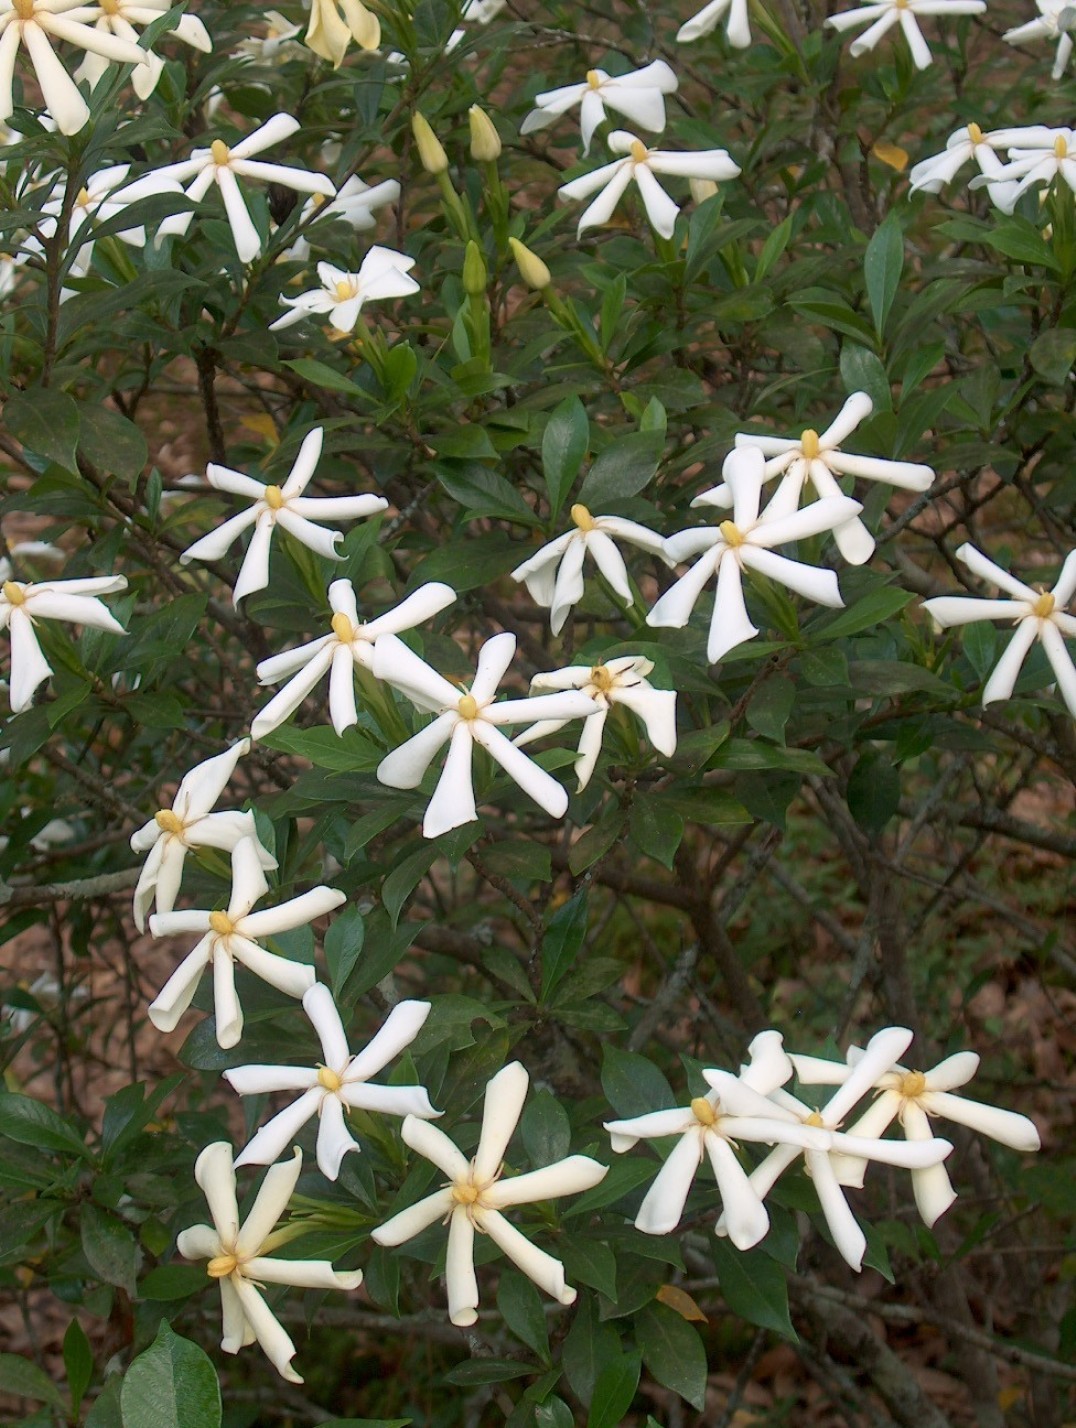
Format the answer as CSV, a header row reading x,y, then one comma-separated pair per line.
x,y
562,942
318,375
597,840
622,470
876,606
632,1084
547,1134
753,1286
673,1352
482,492
590,1261
1053,353
405,878
111,442
399,370
564,445
31,1123
349,752
23,1379
172,1384
862,371
588,1346
78,1363
614,1391
770,706
172,1281
477,1371
882,266
873,791
656,829
521,1309
343,943
46,422
110,1247
365,1422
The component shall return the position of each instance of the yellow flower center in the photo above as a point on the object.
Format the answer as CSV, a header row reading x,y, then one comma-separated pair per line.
x,y
221,1266
814,1119
582,518
703,1112
111,7
975,134
83,200
809,444
731,534
329,1079
343,629
465,1193
602,679
317,199
468,707
24,9
594,79
167,821
219,151
912,1084
1043,607
344,290
639,152
221,924
274,497
14,594
1061,147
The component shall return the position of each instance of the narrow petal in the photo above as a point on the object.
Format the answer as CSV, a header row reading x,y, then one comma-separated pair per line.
x,y
321,1009
436,1147
660,209
1006,1127
808,580
416,1218
674,608
663,1204
406,766
285,702
404,670
461,1282
541,1268
29,667
254,572
522,770
986,569
200,788
610,562
291,978
745,1218
402,1025
334,1138
178,992
879,1056
296,912
303,1273
269,1204
268,1331
1007,670
278,1134
566,1177
215,1176
847,1236
453,801
730,624
1060,662
948,610
931,1186
494,660
502,1108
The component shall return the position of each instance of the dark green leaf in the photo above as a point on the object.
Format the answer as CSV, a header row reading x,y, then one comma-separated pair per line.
x,y
23,1379
172,1384
564,445
78,1363
110,1248
32,1123
770,706
588,1347
873,791
882,266
111,442
753,1286
343,943
521,1309
633,1085
563,941
544,1126
622,470
46,422
1053,353
614,1391
673,1352
876,606
476,1371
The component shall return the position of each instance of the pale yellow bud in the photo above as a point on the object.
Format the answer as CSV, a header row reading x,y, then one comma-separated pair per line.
x,y
531,268
702,189
485,141
431,153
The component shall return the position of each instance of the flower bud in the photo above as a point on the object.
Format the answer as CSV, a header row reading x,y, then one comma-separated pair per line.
x,y
475,275
531,268
430,151
485,141
702,189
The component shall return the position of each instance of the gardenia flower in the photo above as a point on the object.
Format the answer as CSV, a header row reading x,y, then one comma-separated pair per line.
x,y
705,1128
278,505
343,295
36,23
224,166
1037,614
103,196
1054,23
747,541
232,936
349,644
278,43
879,1056
337,1083
330,32
23,603
913,1097
120,18
463,720
355,203
887,13
968,142
640,95
641,164
817,460
737,26
554,575
240,1255
189,823
477,1192
1041,155
621,681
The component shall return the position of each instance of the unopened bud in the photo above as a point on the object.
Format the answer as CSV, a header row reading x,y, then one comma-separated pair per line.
x,y
485,141
702,189
430,151
531,268
475,275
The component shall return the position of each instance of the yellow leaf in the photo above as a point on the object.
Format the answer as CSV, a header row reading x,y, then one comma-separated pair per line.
x,y
682,1302
891,154
1009,1396
264,425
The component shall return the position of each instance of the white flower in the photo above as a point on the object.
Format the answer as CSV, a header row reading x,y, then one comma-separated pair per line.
x,y
350,644
278,505
223,165
480,12
912,1097
104,196
355,204
747,541
1040,156
640,95
232,936
621,681
554,575
476,1193
1037,614
705,1128
967,142
641,164
813,459
1055,22
462,721
886,13
23,603
737,26
879,1056
279,42
36,23
120,18
190,824
239,1255
330,33
336,1084
343,295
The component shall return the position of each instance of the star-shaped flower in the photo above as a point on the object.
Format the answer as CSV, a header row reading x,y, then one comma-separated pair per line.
x,y
737,25
747,541
640,95
641,164
1037,614
477,1192
1055,22
882,15
277,44
913,1098
1040,156
103,196
36,24
188,823
968,142
340,1082
349,644
335,23
554,575
124,18
224,165
354,204
620,681
343,295
233,936
23,603
464,720
278,505
240,1256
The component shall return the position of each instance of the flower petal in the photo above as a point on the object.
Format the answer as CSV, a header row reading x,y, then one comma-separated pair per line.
x,y
504,1098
